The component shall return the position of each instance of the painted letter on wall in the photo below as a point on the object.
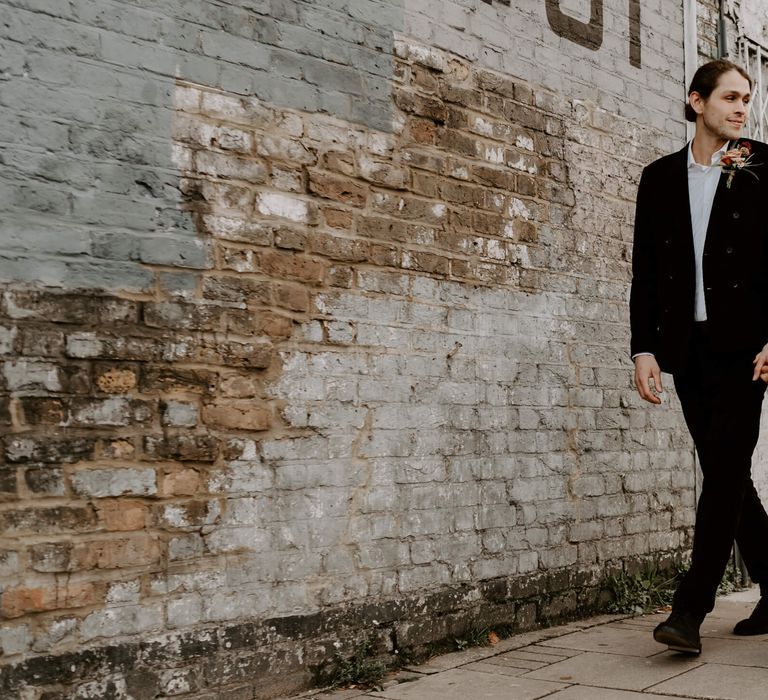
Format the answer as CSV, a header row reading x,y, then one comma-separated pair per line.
x,y
590,34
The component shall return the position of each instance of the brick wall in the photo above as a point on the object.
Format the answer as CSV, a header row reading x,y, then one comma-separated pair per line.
x,y
314,330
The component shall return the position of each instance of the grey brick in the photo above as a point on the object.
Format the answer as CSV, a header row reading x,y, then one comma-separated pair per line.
x,y
176,252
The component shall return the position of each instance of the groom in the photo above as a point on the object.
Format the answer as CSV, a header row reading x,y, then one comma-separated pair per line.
x,y
699,310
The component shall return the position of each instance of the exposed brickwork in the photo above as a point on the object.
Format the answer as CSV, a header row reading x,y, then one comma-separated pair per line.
x,y
312,331
404,371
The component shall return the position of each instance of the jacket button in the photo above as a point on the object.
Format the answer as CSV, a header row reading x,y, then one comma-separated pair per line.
x,y
708,289
735,284
666,241
736,215
729,250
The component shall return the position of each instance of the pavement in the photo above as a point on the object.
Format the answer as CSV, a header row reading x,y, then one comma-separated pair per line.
x,y
601,658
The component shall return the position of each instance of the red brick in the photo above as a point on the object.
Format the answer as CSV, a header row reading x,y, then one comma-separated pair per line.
x,y
116,380
50,448
424,78
462,96
20,600
291,296
184,448
180,482
9,490
341,276
340,162
422,106
422,131
341,189
494,82
232,353
47,519
281,265
426,262
383,229
52,307
426,184
117,448
338,218
43,411
41,342
170,378
291,239
139,549
258,322
180,315
241,386
237,415
5,411
122,515
339,247
79,595
385,256
234,288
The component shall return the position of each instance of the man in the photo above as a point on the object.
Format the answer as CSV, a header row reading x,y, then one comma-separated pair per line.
x,y
699,310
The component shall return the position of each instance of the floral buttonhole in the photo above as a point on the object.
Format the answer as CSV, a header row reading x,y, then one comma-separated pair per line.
x,y
739,158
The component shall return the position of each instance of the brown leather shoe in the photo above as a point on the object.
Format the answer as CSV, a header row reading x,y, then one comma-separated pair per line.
x,y
757,622
680,632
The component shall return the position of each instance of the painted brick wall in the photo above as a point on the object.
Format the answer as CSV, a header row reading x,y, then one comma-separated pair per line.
x,y
314,331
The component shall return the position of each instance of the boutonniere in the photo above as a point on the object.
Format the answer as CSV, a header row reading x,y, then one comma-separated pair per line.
x,y
736,159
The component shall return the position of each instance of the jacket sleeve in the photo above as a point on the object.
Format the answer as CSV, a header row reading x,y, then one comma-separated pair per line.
x,y
643,311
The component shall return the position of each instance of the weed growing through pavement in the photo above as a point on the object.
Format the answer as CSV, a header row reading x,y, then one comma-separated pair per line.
x,y
653,588
360,669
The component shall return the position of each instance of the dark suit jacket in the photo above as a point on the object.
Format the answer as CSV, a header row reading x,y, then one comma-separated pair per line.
x,y
735,262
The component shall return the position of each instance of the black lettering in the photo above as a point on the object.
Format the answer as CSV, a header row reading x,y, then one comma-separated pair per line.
x,y
587,34
634,33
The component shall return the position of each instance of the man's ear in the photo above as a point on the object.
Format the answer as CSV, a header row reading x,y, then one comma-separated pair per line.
x,y
696,101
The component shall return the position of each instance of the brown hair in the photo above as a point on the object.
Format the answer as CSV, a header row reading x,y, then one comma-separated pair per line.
x,y
706,78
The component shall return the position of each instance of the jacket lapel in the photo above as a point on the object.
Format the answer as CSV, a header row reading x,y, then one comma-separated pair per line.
x,y
681,196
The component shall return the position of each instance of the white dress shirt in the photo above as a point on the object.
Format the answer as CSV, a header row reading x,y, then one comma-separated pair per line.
x,y
702,185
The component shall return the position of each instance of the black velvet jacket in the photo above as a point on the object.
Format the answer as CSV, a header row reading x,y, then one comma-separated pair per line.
x,y
734,264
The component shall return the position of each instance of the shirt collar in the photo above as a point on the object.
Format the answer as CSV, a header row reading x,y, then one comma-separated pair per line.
x,y
716,156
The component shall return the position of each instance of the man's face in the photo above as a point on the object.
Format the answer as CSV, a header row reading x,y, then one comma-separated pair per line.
x,y
724,113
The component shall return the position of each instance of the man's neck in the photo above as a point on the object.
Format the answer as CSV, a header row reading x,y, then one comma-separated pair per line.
x,y
704,145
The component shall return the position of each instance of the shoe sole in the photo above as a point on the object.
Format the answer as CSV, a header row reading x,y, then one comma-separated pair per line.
x,y
676,643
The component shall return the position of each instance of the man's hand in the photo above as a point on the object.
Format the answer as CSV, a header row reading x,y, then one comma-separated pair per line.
x,y
647,370
761,365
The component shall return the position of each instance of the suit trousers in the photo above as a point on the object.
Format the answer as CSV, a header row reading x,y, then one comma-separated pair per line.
x,y
722,406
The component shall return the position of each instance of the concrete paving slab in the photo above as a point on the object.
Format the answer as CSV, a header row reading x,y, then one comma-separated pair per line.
x,y
644,622
444,662
517,662
460,684
718,682
531,656
604,658
731,609
736,651
723,627
748,595
585,692
615,670
498,669
608,639
552,651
